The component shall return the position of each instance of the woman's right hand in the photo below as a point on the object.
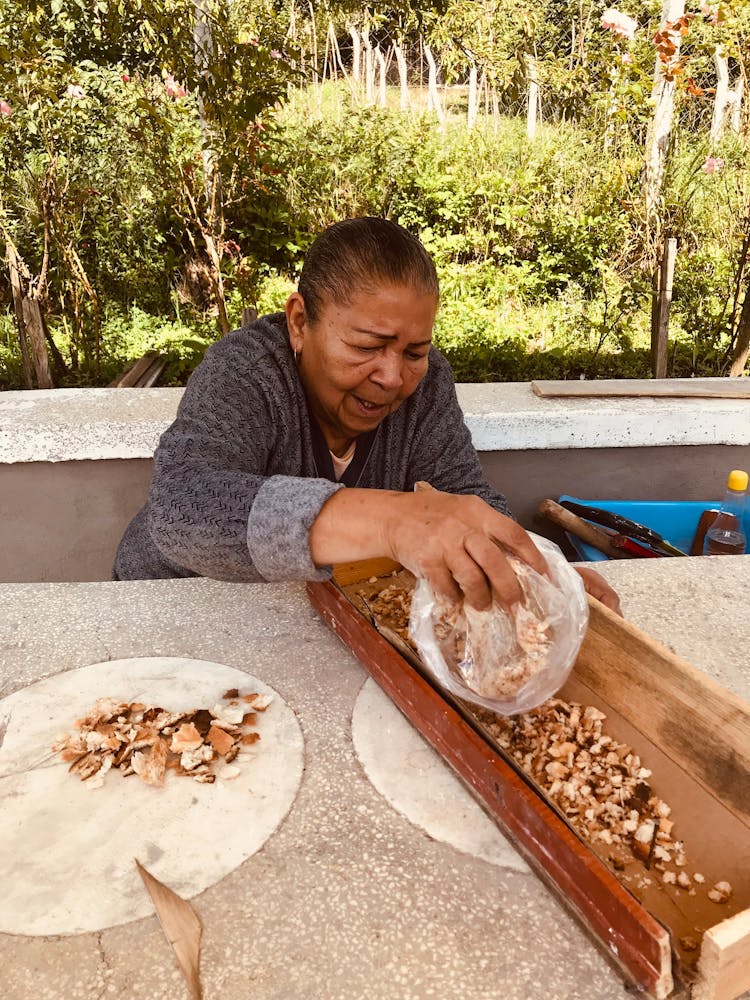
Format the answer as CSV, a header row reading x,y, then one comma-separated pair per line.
x,y
459,544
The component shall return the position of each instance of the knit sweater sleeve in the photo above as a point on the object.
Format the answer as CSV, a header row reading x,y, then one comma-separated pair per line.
x,y
212,508
442,451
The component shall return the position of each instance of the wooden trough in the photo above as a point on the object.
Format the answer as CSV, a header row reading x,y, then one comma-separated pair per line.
x,y
694,736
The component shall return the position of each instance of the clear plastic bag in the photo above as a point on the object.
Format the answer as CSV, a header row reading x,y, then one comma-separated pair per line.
x,y
508,662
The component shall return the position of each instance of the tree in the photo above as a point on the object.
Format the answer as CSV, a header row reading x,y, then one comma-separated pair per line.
x,y
87,83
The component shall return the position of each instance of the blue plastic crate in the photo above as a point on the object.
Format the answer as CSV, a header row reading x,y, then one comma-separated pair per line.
x,y
675,520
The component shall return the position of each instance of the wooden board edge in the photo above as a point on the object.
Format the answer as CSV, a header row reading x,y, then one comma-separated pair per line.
x,y
719,388
633,939
724,964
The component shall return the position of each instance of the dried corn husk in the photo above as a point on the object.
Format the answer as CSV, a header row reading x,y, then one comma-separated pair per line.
x,y
181,927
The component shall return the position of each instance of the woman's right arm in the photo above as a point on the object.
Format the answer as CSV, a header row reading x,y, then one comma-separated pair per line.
x,y
456,542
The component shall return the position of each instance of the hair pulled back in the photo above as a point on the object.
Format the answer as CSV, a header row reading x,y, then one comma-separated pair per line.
x,y
358,255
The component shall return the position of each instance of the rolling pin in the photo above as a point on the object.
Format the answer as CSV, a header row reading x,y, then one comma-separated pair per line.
x,y
581,529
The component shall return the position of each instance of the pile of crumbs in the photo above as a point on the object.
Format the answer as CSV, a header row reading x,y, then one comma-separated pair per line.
x,y
393,606
149,741
601,786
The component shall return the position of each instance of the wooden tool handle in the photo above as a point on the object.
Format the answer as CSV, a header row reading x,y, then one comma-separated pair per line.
x,y
582,529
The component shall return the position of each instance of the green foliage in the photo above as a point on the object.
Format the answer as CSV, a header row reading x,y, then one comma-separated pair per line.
x,y
11,371
128,335
137,175
106,176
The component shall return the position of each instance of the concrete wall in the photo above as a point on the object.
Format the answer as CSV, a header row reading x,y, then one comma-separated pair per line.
x,y
63,520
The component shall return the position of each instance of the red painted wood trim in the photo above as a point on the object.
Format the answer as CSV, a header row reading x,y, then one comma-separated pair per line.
x,y
636,941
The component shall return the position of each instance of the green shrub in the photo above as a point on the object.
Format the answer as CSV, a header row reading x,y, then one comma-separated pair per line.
x,y
11,369
540,248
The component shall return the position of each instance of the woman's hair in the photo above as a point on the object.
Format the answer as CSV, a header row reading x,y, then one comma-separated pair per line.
x,y
358,255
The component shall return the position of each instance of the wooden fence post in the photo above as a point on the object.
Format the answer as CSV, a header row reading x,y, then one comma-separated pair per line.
x,y
382,89
722,97
30,322
661,304
356,53
336,55
532,112
15,284
736,112
741,349
369,69
657,147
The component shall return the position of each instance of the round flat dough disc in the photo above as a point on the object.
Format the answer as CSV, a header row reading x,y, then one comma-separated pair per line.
x,y
408,773
72,846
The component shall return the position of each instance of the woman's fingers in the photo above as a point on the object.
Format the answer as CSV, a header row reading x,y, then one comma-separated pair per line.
x,y
496,569
441,580
471,579
598,587
512,536
461,545
459,577
476,573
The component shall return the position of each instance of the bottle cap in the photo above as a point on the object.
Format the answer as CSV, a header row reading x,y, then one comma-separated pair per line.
x,y
737,481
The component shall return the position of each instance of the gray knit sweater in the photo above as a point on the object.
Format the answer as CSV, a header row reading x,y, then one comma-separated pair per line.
x,y
236,486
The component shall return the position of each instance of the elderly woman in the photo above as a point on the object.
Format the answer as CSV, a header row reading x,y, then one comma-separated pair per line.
x,y
299,439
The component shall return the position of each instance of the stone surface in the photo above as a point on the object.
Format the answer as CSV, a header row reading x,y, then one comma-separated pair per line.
x,y
57,425
348,899
698,608
51,820
510,417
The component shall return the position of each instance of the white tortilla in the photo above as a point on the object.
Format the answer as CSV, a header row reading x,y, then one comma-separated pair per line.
x,y
68,849
417,783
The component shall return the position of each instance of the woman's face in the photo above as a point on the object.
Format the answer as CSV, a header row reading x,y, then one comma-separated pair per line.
x,y
359,361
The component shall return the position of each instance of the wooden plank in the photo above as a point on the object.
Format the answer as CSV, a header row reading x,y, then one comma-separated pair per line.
x,y
152,374
694,388
17,291
718,841
143,372
701,726
718,835
637,942
660,315
724,964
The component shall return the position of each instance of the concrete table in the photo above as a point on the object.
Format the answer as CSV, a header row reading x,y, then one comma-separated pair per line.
x,y
348,899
